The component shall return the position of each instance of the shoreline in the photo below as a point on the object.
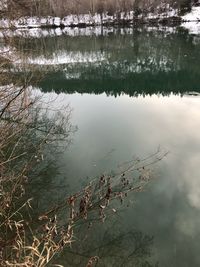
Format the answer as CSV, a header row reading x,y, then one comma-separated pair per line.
x,y
171,21
191,27
122,19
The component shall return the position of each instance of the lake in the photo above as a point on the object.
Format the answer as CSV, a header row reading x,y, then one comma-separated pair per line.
x,y
131,91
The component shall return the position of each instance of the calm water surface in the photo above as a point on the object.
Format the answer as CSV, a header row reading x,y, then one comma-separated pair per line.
x,y
130,92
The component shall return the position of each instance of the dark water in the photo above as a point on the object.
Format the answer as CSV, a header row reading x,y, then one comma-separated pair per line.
x,y
130,93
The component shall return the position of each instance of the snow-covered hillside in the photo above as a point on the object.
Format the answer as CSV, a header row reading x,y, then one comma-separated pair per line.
x,y
83,20
190,21
194,15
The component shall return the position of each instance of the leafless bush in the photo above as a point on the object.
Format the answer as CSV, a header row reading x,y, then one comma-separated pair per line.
x,y
25,131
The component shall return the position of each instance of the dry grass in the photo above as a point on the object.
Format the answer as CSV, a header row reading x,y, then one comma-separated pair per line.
x,y
25,131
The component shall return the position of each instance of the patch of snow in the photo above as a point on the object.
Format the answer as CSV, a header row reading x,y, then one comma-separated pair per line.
x,y
67,21
4,24
33,22
194,15
57,21
43,21
50,21
97,19
168,14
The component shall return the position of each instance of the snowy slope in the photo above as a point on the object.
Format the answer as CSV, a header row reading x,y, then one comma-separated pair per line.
x,y
96,20
194,15
191,21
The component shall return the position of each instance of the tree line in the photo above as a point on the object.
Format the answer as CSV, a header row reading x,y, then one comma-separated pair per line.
x,y
64,7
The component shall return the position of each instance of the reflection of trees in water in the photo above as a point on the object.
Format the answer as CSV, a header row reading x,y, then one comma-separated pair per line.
x,y
133,84
110,241
29,131
45,179
113,245
139,63
140,45
43,128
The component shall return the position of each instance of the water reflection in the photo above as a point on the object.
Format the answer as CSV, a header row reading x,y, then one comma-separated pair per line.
x,y
114,246
138,62
113,130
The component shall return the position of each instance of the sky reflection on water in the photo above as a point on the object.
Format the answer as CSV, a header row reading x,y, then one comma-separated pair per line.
x,y
113,130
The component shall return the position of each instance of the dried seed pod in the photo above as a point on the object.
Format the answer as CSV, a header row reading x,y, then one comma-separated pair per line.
x,y
43,217
71,200
92,261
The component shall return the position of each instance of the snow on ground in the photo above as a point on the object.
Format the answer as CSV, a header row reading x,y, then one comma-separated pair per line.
x,y
194,15
34,26
191,21
94,20
81,20
169,14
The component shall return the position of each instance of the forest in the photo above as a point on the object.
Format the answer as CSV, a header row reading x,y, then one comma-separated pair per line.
x,y
62,8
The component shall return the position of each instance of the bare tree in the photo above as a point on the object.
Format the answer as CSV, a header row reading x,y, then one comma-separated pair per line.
x,y
62,8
